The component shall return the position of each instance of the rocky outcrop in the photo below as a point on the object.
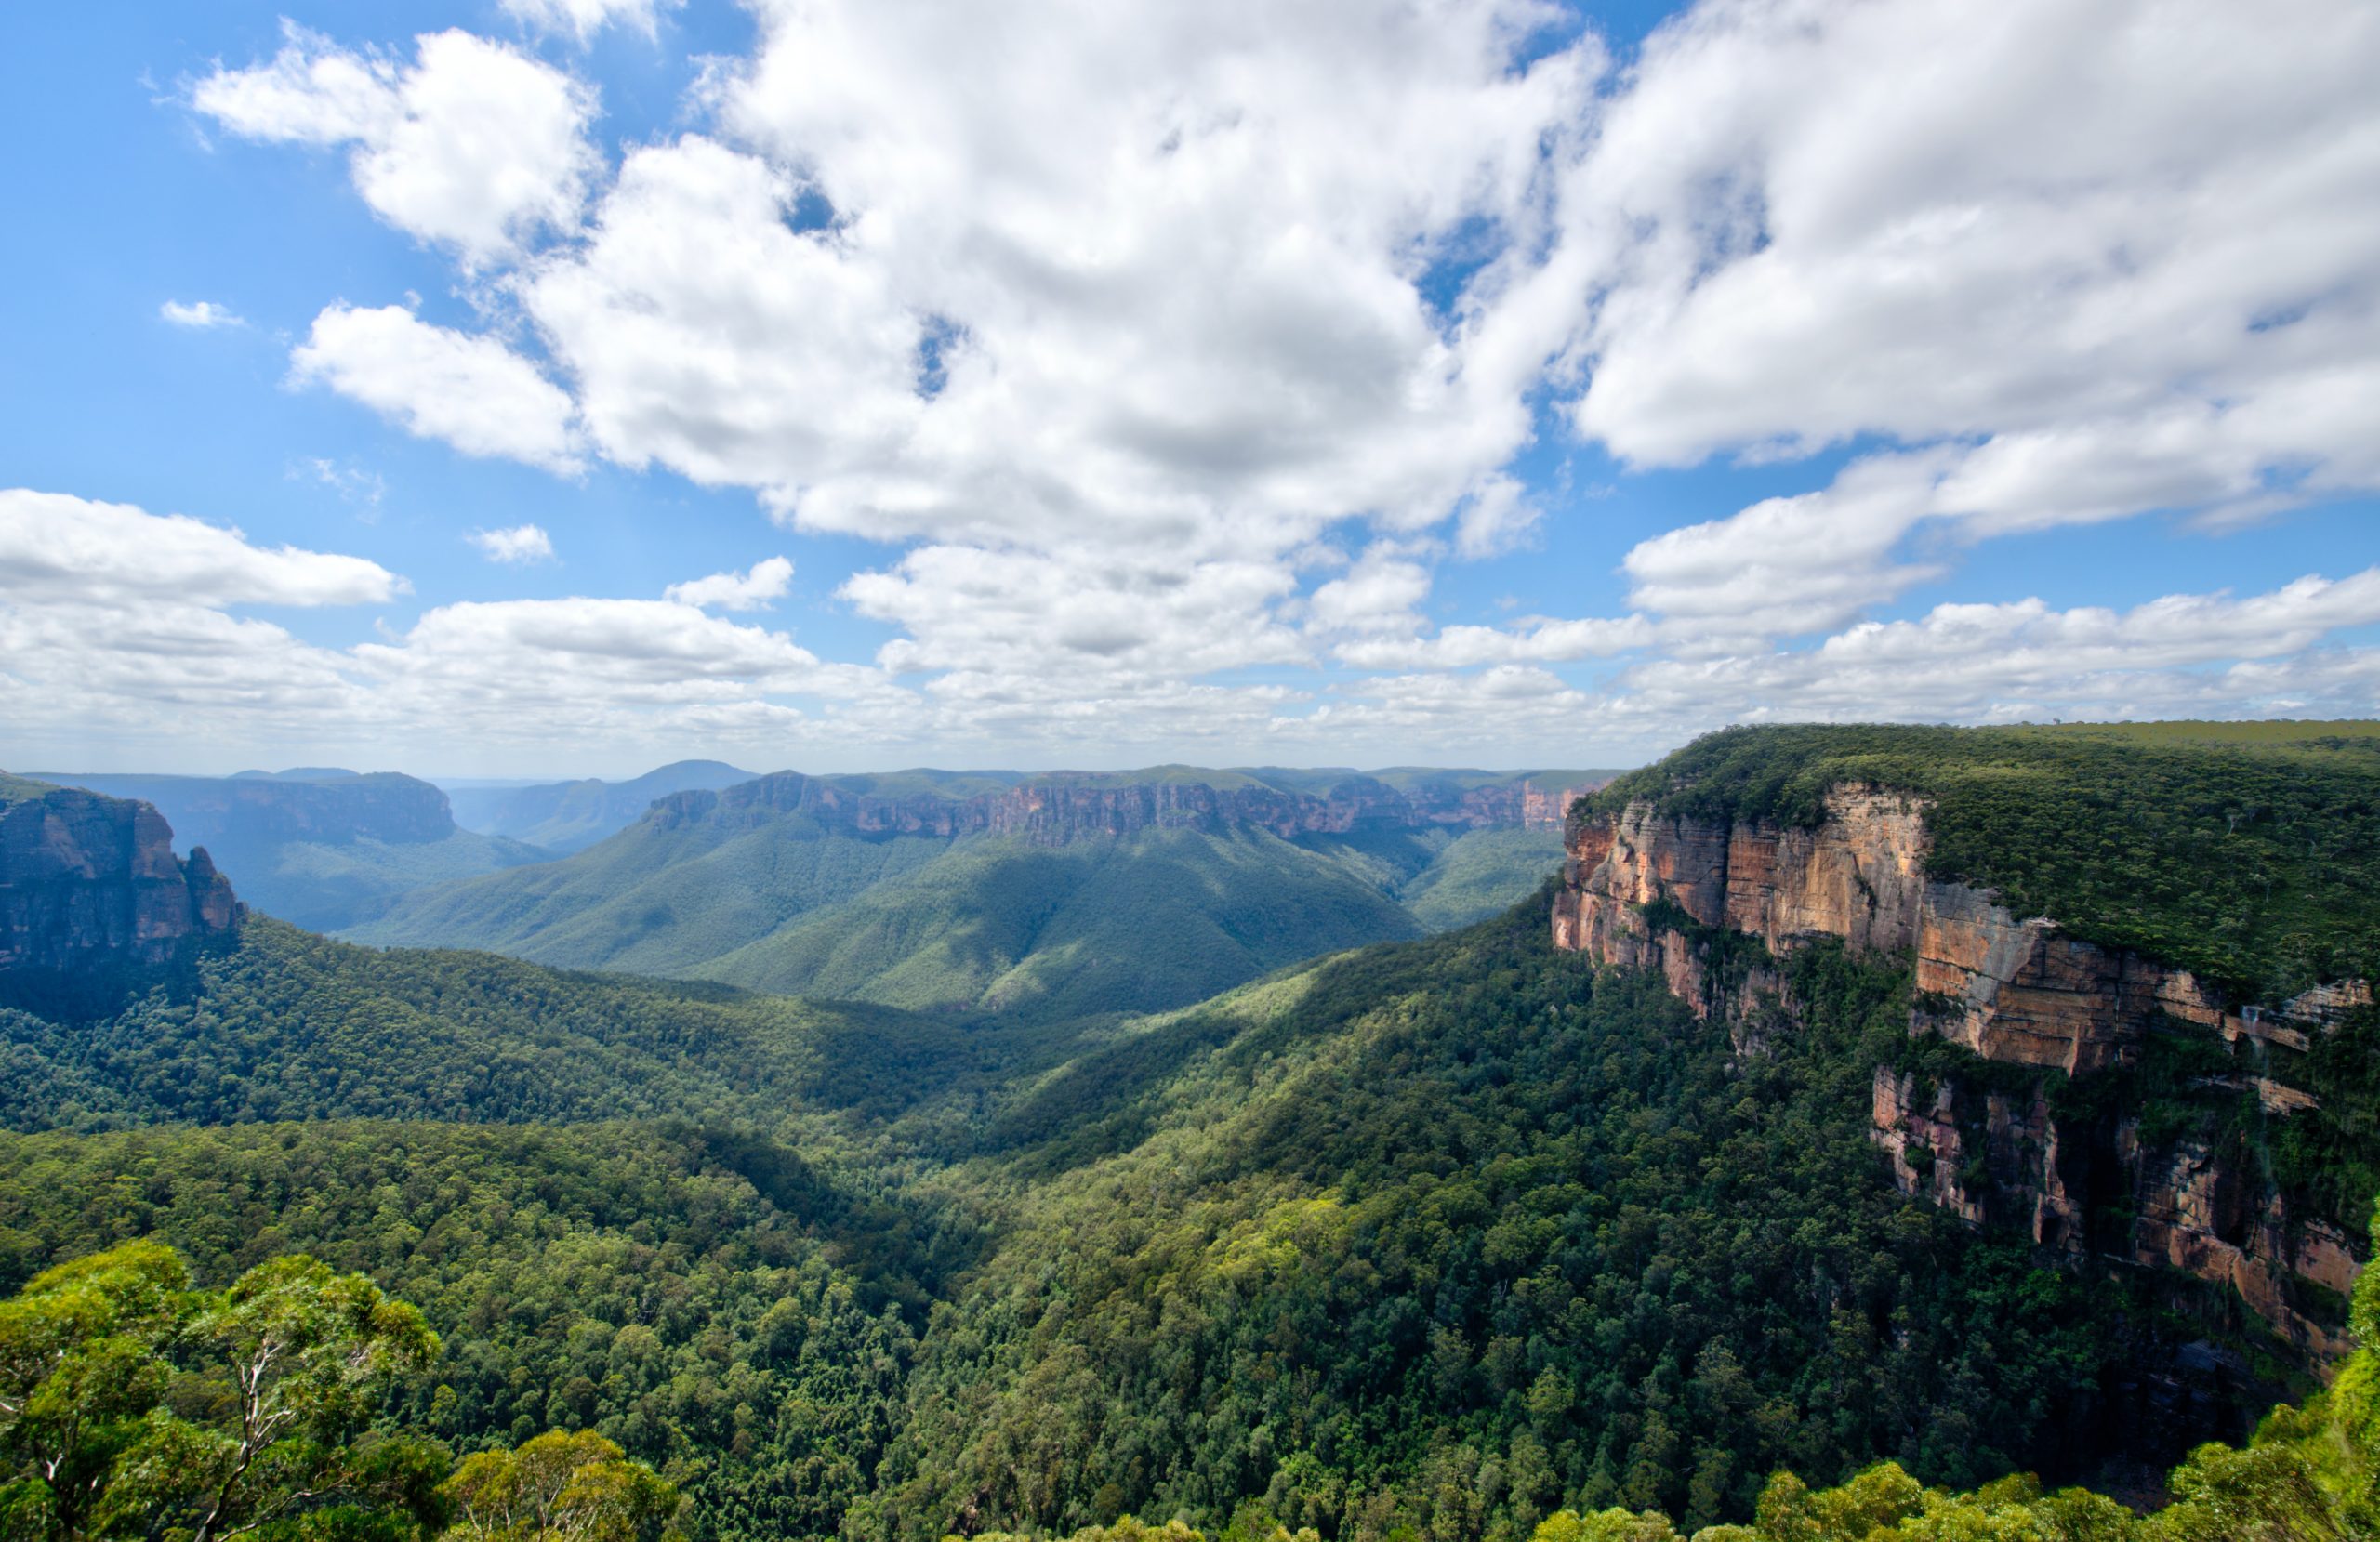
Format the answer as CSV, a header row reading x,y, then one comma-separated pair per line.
x,y
1646,891
1055,810
92,898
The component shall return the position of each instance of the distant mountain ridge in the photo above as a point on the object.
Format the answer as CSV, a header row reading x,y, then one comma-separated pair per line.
x,y
1069,891
321,847
1055,809
562,817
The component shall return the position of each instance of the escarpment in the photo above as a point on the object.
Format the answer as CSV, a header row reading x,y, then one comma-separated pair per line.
x,y
1055,810
1716,907
92,897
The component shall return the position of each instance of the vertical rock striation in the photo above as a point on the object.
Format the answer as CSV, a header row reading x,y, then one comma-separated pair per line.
x,y
1646,890
92,897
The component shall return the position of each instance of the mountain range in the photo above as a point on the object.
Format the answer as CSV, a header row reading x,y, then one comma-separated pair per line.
x,y
1065,895
1859,1108
319,846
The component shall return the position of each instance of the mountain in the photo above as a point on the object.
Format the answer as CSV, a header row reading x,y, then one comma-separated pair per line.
x,y
321,847
2143,971
93,900
1065,894
561,817
1445,1237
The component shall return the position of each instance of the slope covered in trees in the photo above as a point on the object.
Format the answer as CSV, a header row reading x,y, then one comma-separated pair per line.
x,y
1454,1218
913,905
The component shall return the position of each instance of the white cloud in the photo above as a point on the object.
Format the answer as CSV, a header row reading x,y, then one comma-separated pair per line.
x,y
1379,594
354,484
584,19
56,548
751,590
476,146
1539,641
2108,239
516,543
1122,326
1090,620
1987,661
200,314
471,392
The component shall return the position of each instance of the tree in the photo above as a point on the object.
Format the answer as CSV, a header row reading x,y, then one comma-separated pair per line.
x,y
132,1405
79,1372
559,1487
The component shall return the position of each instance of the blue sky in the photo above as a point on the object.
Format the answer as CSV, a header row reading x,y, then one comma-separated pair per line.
x,y
1511,386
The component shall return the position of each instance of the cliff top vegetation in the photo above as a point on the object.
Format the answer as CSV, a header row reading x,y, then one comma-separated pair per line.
x,y
2246,852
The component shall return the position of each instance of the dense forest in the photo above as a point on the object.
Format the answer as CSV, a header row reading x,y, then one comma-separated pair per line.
x,y
1446,1240
1454,1218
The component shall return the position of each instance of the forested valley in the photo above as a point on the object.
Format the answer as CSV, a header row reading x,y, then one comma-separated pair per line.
x,y
1453,1239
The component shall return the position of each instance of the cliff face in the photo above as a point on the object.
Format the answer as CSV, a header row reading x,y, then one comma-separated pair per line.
x,y
2015,991
91,893
1056,811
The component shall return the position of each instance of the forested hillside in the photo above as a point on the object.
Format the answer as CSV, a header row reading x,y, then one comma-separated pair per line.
x,y
1130,891
1456,1238
561,817
1452,1218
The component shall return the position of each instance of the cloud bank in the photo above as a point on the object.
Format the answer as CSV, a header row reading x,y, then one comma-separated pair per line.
x,y
1174,357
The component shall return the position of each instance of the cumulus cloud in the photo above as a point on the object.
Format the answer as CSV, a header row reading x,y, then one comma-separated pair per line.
x,y
584,19
2053,227
1124,328
2025,659
1541,642
1088,620
515,544
751,590
475,145
199,314
469,390
57,548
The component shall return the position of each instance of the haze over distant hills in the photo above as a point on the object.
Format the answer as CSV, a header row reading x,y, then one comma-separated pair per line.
x,y
1062,893
562,817
321,847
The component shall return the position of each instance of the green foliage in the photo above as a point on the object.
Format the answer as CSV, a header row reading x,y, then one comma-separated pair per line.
x,y
558,1487
133,1406
291,1027
1150,921
1479,875
628,1279
1452,1234
2252,858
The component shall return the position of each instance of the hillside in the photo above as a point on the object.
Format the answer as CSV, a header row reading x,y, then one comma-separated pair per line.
x,y
321,848
1408,1212
1442,1236
2143,1020
1074,895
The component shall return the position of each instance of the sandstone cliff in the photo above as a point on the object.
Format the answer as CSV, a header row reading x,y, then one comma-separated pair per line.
x,y
92,897
1643,890
1054,810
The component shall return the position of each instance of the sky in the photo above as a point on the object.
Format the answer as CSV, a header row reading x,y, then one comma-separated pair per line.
x,y
522,388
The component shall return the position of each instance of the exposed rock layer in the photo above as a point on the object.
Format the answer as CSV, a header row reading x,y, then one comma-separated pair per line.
x,y
1053,811
92,896
2015,991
